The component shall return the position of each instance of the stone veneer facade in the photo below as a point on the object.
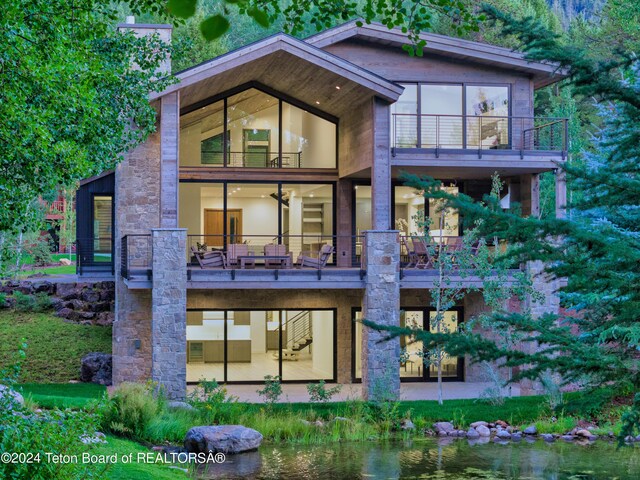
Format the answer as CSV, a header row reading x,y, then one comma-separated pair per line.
x,y
381,305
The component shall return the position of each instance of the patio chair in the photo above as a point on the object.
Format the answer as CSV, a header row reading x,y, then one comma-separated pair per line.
x,y
235,250
209,259
410,251
318,262
421,252
278,250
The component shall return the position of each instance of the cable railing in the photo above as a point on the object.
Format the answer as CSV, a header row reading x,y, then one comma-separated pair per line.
x,y
251,159
464,132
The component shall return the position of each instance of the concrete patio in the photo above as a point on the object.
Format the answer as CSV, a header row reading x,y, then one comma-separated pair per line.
x,y
408,391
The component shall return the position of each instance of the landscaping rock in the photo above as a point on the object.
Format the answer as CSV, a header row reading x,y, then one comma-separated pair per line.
x,y
96,438
477,424
65,261
407,424
443,428
15,397
501,423
96,367
483,431
516,437
584,433
180,405
531,430
228,439
90,296
473,433
567,438
503,434
547,437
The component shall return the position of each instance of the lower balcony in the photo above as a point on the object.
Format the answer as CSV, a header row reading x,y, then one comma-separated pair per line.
x,y
287,262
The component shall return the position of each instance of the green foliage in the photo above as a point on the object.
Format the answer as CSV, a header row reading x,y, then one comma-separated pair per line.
x,y
318,392
23,431
23,302
131,409
40,252
272,390
212,399
3,300
68,97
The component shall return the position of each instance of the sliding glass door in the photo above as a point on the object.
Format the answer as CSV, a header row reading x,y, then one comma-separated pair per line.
x,y
415,363
248,345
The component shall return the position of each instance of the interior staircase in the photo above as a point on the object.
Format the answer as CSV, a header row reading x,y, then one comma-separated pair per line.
x,y
299,336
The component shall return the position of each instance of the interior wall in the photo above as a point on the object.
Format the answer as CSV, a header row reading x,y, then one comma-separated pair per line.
x,y
322,331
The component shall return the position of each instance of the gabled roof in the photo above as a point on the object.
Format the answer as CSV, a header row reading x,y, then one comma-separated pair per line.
x,y
542,73
257,59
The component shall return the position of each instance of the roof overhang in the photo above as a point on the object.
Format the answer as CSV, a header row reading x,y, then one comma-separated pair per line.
x,y
542,73
284,64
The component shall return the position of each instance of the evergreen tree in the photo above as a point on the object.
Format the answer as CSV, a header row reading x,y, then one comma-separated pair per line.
x,y
595,339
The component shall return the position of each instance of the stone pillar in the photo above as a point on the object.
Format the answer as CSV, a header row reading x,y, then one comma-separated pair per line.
x,y
381,167
561,193
381,304
169,311
169,141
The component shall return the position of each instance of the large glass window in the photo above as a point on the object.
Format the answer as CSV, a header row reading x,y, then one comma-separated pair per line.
x,y
252,215
247,345
415,363
404,124
451,116
443,222
252,134
487,110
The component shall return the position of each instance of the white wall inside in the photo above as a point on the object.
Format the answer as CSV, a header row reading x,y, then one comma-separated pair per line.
x,y
322,346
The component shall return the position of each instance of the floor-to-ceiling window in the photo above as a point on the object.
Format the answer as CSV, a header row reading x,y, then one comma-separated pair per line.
x,y
254,129
415,363
451,116
247,345
297,215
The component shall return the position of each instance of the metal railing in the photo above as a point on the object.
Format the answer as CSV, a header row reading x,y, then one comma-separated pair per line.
x,y
252,159
94,254
347,249
479,132
136,256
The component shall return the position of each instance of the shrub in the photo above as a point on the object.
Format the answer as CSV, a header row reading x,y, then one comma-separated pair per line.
x,y
272,390
212,400
41,252
318,392
41,302
131,409
23,302
22,431
3,300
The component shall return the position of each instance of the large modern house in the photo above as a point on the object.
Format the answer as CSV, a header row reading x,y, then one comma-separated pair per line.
x,y
265,214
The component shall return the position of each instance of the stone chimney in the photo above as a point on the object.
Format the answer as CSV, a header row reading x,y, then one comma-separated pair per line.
x,y
141,29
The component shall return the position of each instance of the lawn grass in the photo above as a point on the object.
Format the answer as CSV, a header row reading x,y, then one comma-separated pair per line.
x,y
139,471
55,347
65,395
57,270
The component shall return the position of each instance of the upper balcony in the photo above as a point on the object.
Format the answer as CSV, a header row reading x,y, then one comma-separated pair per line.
x,y
478,141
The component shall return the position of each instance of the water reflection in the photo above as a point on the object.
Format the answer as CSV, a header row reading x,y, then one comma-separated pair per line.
x,y
432,459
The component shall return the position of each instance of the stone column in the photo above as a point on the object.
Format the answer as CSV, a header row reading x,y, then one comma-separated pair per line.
x,y
561,193
169,311
381,304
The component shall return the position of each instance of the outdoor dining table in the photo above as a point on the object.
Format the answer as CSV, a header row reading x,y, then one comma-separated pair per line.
x,y
249,261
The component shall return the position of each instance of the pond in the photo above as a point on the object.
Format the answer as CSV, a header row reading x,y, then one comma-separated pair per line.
x,y
437,459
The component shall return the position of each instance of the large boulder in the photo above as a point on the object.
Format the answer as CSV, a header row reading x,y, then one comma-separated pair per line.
x,y
228,439
483,431
9,396
96,367
443,428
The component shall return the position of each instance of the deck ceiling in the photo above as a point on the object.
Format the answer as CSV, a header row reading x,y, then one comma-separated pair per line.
x,y
289,66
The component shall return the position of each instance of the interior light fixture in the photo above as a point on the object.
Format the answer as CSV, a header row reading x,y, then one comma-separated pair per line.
x,y
311,195
337,87
317,102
